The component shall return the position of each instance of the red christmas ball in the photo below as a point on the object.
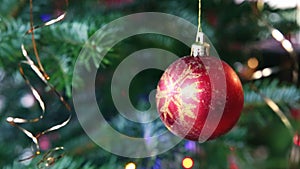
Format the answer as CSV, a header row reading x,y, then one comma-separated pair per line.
x,y
199,98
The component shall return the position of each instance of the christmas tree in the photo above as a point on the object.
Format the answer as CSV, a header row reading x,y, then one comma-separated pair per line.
x,y
259,39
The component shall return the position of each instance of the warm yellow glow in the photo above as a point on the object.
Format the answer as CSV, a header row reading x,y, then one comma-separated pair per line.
x,y
277,4
257,75
267,72
277,35
287,45
177,95
260,4
130,166
252,63
187,163
280,4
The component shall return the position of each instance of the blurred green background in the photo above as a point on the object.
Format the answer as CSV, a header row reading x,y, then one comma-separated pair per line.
x,y
238,31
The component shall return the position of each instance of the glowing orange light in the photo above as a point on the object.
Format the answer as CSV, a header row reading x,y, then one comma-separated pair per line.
x,y
130,166
252,63
187,163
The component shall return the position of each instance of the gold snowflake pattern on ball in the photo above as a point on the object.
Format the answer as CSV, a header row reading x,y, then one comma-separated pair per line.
x,y
175,91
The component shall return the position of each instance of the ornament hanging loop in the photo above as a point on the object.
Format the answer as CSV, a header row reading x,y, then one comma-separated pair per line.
x,y
200,47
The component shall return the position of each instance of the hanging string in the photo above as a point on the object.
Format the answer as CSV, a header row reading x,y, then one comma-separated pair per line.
x,y
199,37
200,48
49,158
199,17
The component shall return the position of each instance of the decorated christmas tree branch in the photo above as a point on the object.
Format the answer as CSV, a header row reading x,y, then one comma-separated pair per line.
x,y
276,109
49,158
279,37
288,47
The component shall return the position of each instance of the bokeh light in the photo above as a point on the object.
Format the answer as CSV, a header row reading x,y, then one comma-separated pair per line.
x,y
187,163
267,72
287,45
277,35
27,100
252,63
257,75
130,166
296,139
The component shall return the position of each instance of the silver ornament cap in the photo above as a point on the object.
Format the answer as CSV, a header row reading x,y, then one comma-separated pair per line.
x,y
200,48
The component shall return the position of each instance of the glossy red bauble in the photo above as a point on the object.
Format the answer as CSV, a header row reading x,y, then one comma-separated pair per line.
x,y
199,98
